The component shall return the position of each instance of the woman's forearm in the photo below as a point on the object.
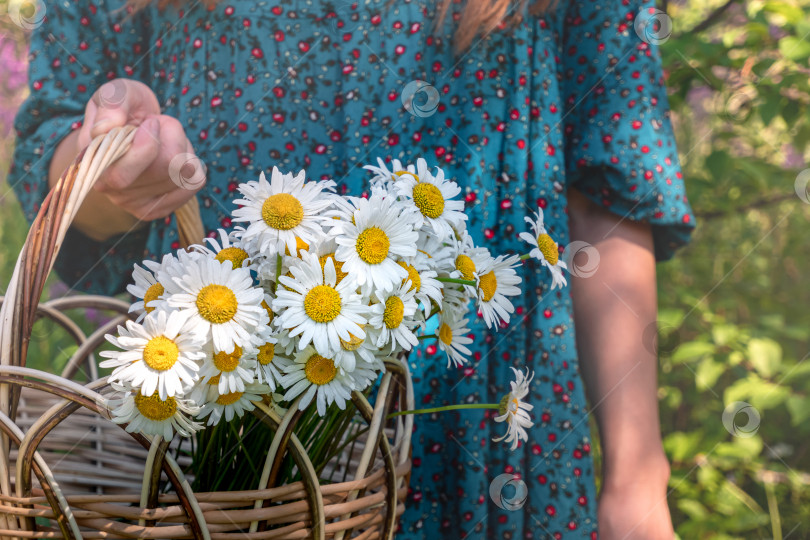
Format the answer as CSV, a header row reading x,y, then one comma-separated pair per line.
x,y
98,217
612,309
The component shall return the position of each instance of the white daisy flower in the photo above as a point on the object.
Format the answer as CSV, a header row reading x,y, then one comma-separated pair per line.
x,y
282,210
220,302
232,404
393,318
234,370
341,207
169,268
438,255
545,249
365,374
455,301
383,176
147,289
426,287
152,415
356,351
469,259
453,339
514,411
268,359
313,305
432,196
161,355
325,249
316,377
496,281
227,249
370,241
204,390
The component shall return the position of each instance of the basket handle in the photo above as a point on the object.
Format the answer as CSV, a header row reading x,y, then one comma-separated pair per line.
x,y
45,238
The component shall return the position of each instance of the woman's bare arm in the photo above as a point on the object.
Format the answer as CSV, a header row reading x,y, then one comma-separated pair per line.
x,y
612,309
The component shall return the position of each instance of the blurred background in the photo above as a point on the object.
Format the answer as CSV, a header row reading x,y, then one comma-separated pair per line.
x,y
734,318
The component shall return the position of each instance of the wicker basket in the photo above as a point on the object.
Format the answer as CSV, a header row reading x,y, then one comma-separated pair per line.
x,y
67,471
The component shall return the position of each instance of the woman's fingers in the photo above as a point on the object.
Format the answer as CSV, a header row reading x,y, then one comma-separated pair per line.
x,y
120,102
153,206
163,205
114,100
117,103
177,162
145,149
158,174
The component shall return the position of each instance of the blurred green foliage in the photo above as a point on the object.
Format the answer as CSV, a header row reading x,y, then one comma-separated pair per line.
x,y
734,322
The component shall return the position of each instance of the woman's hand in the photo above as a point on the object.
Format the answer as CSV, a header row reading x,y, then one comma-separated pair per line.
x,y
634,507
157,175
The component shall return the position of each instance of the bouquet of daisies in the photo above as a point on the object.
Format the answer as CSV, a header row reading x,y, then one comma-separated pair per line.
x,y
301,302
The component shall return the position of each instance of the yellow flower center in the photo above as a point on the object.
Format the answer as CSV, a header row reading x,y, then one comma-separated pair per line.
x,y
338,266
268,310
299,245
320,370
154,408
282,211
229,398
322,304
216,303
354,342
503,406
160,353
372,245
488,285
228,362
266,353
236,255
214,381
466,266
152,293
548,248
446,334
413,275
428,199
394,312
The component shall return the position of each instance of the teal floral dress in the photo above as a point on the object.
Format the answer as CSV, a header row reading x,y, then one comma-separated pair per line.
x,y
571,99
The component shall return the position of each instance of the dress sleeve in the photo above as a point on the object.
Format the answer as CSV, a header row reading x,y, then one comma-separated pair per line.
x,y
78,46
620,148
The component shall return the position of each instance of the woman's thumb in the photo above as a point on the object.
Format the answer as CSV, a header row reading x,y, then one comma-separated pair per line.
x,y
112,106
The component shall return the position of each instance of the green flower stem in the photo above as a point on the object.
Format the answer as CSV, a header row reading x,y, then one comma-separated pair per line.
x,y
456,280
278,272
495,406
525,257
428,336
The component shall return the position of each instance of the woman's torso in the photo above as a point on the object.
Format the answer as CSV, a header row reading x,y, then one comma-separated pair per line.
x,y
324,87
